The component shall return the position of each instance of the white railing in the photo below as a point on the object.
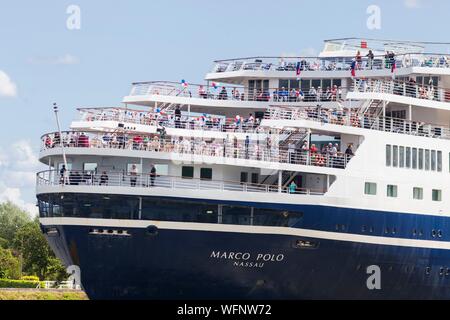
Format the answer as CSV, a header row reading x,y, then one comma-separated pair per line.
x,y
267,149
63,285
353,118
121,179
290,64
173,89
402,88
168,120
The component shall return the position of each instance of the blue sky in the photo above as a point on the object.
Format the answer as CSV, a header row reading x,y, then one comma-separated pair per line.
x,y
42,61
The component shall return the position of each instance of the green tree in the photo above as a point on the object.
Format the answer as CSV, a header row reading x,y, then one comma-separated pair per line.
x,y
12,218
33,248
9,265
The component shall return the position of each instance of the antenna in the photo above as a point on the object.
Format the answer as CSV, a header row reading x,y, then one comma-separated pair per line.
x,y
55,109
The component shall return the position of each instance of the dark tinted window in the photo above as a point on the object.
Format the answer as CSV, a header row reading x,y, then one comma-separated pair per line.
x,y
187,172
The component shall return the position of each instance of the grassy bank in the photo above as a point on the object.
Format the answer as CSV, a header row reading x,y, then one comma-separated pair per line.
x,y
31,294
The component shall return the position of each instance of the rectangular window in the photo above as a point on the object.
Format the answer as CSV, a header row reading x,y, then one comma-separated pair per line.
x,y
69,166
206,173
433,160
370,189
408,157
437,195
427,160
439,161
420,159
418,193
187,172
255,178
402,157
395,156
162,169
244,177
414,158
90,167
388,155
392,191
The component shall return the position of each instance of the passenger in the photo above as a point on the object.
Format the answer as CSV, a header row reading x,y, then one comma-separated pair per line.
x,y
202,92
370,57
133,175
152,175
349,151
104,179
223,95
292,188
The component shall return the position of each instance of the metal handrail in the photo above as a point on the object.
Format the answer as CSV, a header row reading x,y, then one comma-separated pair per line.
x,y
138,180
266,150
402,88
331,93
331,63
351,118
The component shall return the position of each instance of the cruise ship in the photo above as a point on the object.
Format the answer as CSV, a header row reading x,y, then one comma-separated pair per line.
x,y
277,178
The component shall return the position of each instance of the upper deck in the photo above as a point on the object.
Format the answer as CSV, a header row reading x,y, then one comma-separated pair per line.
x,y
335,61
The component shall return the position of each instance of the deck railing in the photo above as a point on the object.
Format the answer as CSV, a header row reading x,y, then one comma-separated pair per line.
x,y
174,89
168,120
402,88
267,149
352,118
137,180
289,64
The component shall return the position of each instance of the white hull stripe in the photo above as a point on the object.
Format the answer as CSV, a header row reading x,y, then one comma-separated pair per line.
x,y
185,226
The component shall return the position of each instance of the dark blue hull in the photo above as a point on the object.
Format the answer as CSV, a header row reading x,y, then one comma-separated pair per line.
x,y
174,264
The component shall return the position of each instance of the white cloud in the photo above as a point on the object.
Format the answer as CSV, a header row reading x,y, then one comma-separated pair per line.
x,y
18,167
66,59
7,87
412,4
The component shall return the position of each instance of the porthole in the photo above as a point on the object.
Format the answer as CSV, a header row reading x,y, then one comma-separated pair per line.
x,y
386,231
394,231
441,271
428,270
363,229
440,233
434,233
371,230
337,227
447,272
414,232
421,233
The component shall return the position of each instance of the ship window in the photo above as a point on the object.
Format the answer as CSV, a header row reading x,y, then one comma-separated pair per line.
x,y
420,159
433,160
395,156
255,178
162,169
337,82
427,160
414,158
408,157
433,233
187,172
402,157
392,191
437,195
206,173
418,193
388,155
279,218
236,215
439,161
370,188
90,167
244,177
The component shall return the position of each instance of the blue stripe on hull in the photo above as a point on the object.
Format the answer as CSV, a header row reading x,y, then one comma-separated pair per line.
x,y
178,265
